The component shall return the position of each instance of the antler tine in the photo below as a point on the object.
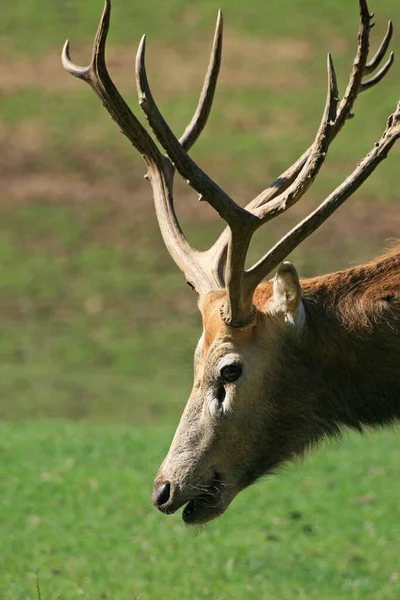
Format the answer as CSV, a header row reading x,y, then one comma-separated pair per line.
x,y
357,71
365,85
380,53
187,168
199,120
315,159
299,233
96,75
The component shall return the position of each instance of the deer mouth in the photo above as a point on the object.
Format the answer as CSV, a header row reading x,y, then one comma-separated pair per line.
x,y
213,498
207,505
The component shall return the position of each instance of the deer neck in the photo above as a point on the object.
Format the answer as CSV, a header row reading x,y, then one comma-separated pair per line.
x,y
351,342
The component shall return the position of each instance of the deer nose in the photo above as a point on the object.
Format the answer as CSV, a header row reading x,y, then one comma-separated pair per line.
x,y
162,496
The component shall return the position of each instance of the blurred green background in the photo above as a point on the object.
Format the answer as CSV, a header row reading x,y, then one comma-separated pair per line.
x,y
96,321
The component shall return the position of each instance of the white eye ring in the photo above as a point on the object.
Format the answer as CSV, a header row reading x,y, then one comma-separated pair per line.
x,y
229,359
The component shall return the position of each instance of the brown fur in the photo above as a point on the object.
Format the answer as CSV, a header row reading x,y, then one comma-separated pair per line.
x,y
353,338
213,326
358,294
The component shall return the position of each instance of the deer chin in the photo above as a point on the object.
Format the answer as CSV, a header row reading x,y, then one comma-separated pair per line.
x,y
210,503
198,511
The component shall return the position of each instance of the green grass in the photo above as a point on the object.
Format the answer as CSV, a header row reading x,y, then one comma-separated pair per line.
x,y
97,325
76,342
75,510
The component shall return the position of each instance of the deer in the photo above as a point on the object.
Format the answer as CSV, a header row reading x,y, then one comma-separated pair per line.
x,y
284,363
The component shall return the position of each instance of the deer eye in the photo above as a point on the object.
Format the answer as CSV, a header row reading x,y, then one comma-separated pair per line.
x,y
230,373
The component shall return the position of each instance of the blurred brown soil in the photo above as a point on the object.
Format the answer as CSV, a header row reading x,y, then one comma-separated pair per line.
x,y
177,68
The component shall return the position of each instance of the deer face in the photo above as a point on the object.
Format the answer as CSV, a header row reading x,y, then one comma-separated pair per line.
x,y
225,439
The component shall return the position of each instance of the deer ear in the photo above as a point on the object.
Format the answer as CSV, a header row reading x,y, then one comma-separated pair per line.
x,y
287,293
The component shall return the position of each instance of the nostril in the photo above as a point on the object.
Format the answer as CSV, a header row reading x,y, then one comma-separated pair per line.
x,y
163,494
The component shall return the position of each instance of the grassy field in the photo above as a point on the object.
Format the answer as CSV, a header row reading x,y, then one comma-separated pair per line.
x,y
75,512
97,325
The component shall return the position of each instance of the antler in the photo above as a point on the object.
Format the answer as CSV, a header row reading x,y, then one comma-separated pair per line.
x,y
160,169
355,85
223,265
299,233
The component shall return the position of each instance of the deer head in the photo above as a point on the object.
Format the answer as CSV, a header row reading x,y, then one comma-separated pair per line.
x,y
238,422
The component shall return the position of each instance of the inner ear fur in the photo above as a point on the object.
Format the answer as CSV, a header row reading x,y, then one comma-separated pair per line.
x,y
286,291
